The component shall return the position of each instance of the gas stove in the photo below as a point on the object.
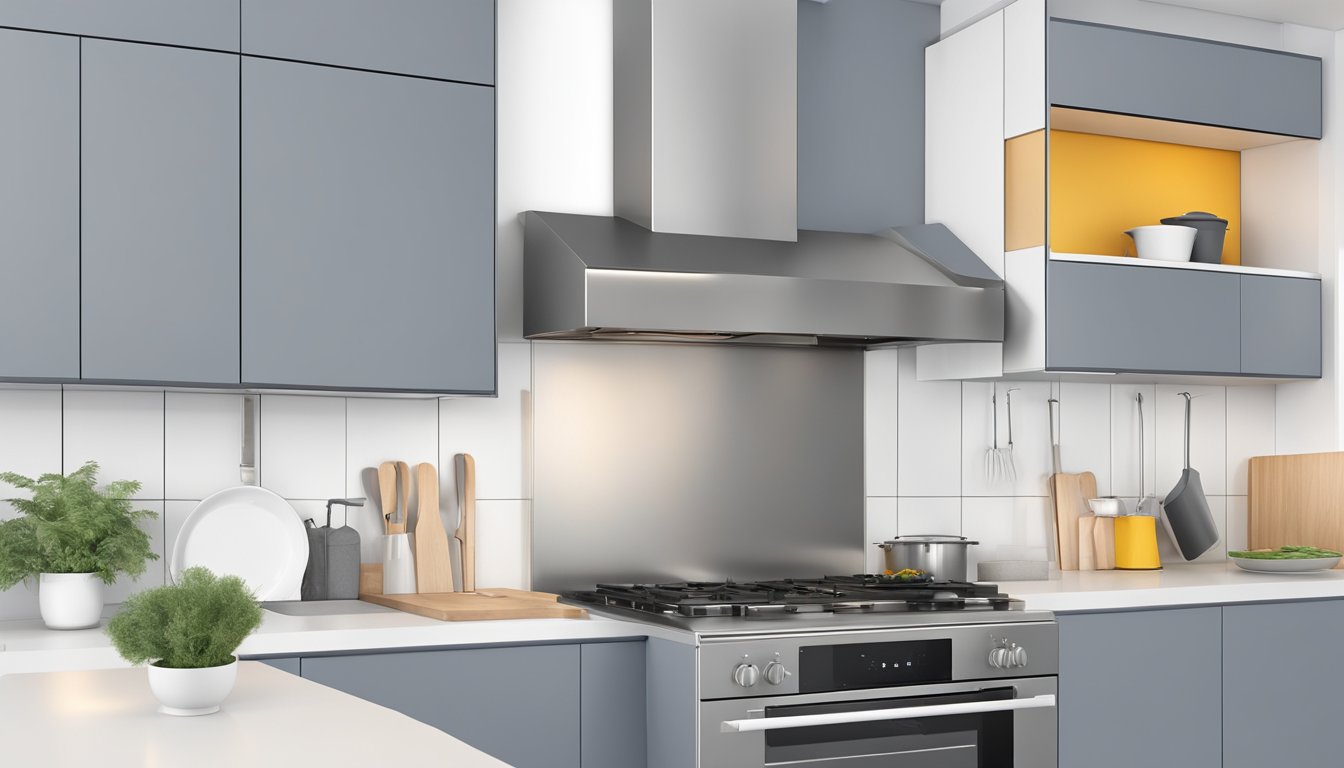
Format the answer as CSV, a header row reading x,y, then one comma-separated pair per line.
x,y
840,602
842,670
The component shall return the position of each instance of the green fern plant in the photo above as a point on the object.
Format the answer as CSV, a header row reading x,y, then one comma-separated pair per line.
x,y
198,622
69,526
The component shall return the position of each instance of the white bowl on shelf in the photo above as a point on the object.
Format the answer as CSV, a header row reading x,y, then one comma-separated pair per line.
x,y
1163,242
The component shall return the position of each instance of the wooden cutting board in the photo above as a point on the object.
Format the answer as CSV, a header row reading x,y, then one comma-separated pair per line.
x,y
481,605
1297,500
1087,530
1071,494
1103,543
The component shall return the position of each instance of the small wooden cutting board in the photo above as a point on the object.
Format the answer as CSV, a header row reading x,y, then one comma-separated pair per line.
x,y
1071,494
481,605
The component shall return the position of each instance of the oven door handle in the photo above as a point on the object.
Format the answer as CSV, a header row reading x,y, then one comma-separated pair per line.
x,y
902,713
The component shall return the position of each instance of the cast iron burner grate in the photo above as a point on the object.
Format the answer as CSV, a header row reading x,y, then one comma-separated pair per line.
x,y
784,597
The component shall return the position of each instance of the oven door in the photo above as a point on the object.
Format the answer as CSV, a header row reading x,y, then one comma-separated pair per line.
x,y
985,724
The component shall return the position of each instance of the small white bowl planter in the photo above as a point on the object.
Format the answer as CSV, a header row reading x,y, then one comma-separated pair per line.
x,y
70,600
189,692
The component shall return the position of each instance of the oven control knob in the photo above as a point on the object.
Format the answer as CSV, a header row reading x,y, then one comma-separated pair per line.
x,y
999,658
746,674
775,673
1019,656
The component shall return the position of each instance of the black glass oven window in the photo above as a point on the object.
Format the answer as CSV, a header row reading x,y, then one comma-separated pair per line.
x,y
873,665
980,740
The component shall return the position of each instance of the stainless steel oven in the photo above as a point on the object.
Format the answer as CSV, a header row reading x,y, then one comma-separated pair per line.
x,y
946,697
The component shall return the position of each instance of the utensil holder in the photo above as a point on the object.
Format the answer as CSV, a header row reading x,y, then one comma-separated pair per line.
x,y
398,565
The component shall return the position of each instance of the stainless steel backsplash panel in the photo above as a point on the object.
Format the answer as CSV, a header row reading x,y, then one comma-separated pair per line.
x,y
673,462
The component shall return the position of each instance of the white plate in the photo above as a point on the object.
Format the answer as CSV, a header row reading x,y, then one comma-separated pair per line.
x,y
1305,565
248,532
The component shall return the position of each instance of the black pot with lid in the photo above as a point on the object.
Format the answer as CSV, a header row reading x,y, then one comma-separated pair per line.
x,y
1210,231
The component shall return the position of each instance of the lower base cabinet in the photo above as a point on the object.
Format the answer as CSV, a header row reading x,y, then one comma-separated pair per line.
x,y
1141,688
541,706
1282,684
1239,686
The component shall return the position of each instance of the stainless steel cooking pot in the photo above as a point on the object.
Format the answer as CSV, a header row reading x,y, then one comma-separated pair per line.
x,y
943,557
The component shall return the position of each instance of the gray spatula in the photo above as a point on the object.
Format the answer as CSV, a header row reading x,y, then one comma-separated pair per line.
x,y
1186,510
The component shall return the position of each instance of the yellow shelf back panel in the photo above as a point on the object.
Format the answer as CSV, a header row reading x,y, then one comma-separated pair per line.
x,y
1024,191
1101,186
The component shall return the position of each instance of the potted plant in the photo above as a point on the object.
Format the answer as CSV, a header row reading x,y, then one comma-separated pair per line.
x,y
188,632
73,539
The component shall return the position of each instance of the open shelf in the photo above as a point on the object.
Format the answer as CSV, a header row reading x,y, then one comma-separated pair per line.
x,y
1134,261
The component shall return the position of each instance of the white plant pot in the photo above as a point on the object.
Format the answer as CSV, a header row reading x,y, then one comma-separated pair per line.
x,y
189,692
70,600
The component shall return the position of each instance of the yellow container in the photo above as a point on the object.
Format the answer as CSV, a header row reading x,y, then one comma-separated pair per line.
x,y
1136,543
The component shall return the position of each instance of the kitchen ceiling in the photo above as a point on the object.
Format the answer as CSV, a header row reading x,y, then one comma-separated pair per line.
x,y
1326,14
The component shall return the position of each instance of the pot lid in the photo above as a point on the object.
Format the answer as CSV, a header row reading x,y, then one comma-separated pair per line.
x,y
930,539
1194,216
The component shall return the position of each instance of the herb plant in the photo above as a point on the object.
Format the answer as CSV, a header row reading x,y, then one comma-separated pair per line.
x,y
69,526
198,622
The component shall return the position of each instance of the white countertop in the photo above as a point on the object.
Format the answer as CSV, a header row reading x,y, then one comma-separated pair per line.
x,y
28,646
108,718
1205,584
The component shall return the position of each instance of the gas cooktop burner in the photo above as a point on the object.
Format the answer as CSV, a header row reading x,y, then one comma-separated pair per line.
x,y
788,597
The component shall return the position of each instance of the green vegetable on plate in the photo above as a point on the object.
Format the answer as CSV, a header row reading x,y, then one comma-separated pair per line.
x,y
1285,553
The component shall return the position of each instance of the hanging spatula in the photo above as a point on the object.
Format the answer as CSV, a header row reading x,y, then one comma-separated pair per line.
x,y
433,573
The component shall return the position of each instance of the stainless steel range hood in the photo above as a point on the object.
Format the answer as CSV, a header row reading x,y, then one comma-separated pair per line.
x,y
705,245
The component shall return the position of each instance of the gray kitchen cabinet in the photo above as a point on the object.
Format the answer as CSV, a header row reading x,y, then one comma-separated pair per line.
x,y
1280,326
288,664
1141,688
1281,683
1102,317
612,705
519,704
368,230
159,214
39,206
446,39
1150,74
191,23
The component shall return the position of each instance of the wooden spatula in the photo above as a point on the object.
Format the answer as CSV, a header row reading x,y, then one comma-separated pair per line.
x,y
387,490
466,528
433,572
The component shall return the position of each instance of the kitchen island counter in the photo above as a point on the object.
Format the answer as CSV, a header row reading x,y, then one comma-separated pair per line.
x,y
108,717
28,646
1174,585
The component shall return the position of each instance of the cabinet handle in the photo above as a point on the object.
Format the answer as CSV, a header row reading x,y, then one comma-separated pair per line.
x,y
903,713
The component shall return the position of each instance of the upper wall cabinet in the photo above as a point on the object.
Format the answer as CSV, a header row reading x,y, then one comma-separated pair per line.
x,y
159,223
446,39
192,23
39,206
368,230
1050,139
1147,74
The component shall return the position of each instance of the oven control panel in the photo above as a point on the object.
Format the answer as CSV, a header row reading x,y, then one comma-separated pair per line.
x,y
838,661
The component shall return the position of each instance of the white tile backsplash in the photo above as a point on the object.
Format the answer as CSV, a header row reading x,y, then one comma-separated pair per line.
x,y
302,445
881,380
918,516
503,543
1029,455
122,431
1006,528
203,443
1208,436
880,524
494,430
1250,431
154,570
1238,523
379,430
30,434
1126,469
1085,427
929,416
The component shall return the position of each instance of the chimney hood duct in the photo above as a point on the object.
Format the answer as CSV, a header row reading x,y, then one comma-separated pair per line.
x,y
705,245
